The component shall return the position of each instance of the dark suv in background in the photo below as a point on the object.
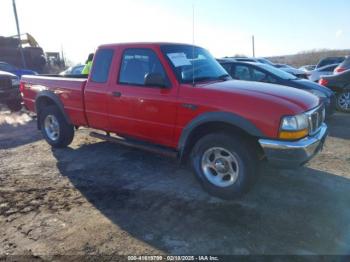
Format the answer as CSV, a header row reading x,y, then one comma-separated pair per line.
x,y
259,72
330,61
340,84
9,91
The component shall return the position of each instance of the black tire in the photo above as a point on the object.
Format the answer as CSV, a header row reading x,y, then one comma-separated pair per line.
x,y
339,106
66,131
246,159
14,105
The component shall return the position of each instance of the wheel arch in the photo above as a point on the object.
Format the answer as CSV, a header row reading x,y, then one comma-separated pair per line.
x,y
48,98
216,122
340,89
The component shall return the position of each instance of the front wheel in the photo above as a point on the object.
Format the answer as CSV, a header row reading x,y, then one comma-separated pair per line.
x,y
224,164
55,129
343,102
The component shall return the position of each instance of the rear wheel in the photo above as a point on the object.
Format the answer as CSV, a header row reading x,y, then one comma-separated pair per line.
x,y
224,164
14,105
343,101
55,129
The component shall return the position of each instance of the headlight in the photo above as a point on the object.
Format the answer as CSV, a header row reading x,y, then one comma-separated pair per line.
x,y
15,82
294,127
317,93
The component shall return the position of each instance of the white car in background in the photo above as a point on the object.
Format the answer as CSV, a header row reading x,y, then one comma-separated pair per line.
x,y
316,74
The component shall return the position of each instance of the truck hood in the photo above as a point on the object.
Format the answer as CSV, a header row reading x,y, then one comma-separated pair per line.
x,y
283,95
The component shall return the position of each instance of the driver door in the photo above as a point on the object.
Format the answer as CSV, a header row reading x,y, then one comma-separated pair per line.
x,y
143,112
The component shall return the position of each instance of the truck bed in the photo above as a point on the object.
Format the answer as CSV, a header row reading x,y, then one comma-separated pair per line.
x,y
70,90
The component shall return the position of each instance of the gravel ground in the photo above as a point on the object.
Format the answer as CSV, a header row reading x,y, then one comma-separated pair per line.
x,y
99,198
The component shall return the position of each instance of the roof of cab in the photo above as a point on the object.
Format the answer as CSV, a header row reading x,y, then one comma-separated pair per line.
x,y
151,44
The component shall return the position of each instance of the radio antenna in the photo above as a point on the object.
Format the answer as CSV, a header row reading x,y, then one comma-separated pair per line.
x,y
193,45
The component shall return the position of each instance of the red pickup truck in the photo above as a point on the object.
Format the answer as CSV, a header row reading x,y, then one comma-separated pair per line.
x,y
177,100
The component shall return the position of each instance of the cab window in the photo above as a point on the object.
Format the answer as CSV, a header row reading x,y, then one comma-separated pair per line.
x,y
137,64
101,65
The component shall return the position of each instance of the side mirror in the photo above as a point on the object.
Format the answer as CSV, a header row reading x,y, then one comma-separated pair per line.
x,y
155,79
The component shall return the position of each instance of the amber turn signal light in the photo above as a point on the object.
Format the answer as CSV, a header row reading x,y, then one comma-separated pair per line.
x,y
293,135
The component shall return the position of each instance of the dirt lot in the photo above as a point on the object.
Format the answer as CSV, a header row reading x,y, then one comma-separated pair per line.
x,y
100,198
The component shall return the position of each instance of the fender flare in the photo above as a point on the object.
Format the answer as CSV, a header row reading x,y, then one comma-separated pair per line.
x,y
224,117
55,99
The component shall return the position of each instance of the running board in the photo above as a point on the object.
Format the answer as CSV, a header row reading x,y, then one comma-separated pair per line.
x,y
161,150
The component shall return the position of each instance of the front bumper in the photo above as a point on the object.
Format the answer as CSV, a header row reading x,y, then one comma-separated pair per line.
x,y
289,154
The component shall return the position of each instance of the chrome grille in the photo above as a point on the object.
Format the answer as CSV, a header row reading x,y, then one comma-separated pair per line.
x,y
316,118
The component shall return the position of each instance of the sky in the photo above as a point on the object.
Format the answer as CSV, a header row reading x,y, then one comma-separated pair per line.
x,y
224,27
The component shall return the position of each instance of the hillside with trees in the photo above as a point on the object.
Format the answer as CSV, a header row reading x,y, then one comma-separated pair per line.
x,y
310,57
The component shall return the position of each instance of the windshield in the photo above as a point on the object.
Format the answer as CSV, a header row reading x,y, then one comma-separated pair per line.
x,y
277,72
193,64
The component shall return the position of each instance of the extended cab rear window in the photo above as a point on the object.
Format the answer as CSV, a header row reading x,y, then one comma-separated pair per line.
x,y
101,65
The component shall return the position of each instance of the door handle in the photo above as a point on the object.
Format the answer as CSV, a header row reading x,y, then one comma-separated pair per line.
x,y
116,94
